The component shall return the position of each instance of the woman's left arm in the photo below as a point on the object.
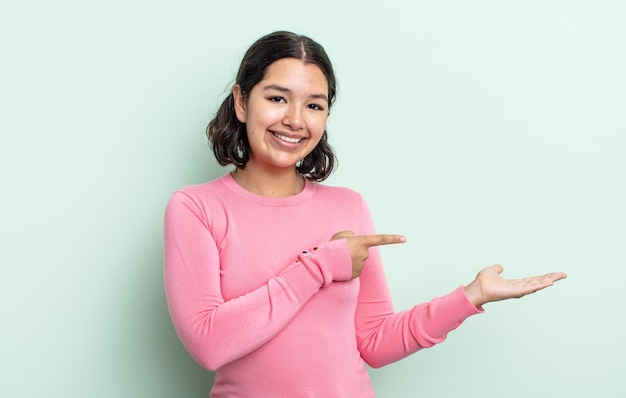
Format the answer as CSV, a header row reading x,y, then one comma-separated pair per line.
x,y
384,336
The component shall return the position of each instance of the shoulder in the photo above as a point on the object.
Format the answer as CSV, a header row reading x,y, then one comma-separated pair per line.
x,y
346,206
210,188
332,190
202,203
337,195
199,189
200,196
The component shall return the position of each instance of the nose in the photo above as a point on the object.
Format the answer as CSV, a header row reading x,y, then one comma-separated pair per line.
x,y
293,118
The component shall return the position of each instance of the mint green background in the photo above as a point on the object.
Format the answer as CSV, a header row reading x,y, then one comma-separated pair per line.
x,y
486,131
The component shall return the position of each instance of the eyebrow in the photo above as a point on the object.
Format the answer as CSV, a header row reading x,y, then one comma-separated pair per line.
x,y
286,90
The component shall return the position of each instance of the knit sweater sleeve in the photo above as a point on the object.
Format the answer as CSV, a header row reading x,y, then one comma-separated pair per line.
x,y
216,331
384,336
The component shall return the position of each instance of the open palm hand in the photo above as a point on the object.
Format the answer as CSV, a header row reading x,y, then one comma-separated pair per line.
x,y
490,286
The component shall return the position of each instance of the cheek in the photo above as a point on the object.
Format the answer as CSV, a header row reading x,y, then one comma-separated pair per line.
x,y
318,125
260,115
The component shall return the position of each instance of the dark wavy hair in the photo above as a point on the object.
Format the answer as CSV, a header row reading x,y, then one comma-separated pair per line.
x,y
227,135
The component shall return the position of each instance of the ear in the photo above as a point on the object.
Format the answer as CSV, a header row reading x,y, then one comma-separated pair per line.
x,y
240,104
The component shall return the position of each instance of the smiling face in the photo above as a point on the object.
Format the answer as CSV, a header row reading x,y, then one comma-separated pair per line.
x,y
285,114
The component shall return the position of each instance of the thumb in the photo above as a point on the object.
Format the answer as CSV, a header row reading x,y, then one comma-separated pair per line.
x,y
498,268
342,234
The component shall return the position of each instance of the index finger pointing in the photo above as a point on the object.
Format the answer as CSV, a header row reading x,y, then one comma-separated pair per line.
x,y
383,239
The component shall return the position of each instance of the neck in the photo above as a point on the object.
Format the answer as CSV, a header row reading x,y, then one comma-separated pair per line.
x,y
274,184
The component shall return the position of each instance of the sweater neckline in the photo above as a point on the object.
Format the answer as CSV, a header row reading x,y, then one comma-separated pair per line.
x,y
304,195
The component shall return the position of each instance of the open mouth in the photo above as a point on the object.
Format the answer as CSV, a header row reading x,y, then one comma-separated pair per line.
x,y
287,139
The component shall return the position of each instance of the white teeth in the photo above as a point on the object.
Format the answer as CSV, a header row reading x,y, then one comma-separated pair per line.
x,y
288,139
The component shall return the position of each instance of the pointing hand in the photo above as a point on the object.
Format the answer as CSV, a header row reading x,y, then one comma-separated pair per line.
x,y
359,246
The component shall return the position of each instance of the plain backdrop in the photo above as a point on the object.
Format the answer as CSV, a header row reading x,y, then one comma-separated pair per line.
x,y
485,131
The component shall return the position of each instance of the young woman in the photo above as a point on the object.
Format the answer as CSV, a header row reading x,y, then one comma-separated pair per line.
x,y
274,280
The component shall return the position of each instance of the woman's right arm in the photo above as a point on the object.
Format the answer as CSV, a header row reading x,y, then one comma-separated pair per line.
x,y
215,331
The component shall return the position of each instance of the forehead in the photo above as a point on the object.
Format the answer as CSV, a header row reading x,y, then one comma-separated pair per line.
x,y
296,75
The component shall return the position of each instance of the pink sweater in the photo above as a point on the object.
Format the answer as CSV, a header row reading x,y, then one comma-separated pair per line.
x,y
258,293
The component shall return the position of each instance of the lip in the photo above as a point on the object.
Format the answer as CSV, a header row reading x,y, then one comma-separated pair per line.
x,y
287,139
